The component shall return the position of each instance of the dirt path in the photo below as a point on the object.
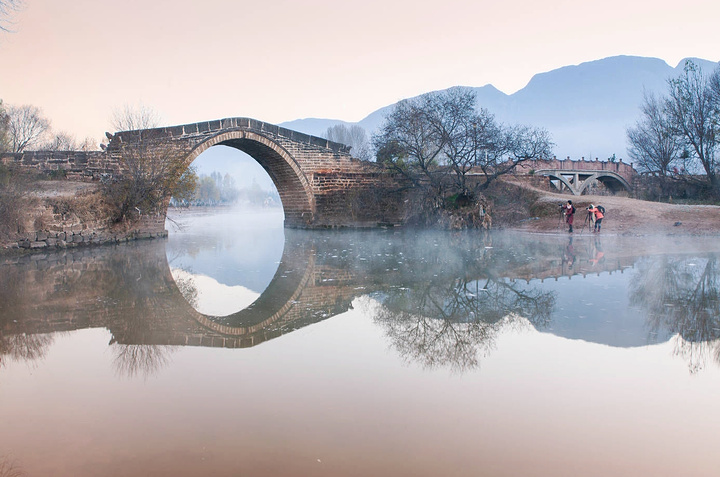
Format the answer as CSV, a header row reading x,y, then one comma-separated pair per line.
x,y
626,216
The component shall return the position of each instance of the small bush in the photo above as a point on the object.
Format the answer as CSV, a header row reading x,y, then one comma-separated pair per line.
x,y
14,191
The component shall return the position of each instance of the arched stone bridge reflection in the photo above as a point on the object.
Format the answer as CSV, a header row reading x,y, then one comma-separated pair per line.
x,y
132,292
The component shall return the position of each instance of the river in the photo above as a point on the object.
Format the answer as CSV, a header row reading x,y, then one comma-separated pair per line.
x,y
236,347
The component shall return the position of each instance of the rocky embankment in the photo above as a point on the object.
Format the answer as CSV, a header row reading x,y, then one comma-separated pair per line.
x,y
64,214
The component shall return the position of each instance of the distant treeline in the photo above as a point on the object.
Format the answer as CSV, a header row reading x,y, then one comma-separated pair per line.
x,y
218,189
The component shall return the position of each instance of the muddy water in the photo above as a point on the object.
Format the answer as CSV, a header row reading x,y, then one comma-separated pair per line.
x,y
239,348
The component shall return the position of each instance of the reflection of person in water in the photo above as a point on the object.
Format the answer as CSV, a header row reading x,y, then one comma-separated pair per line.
x,y
568,257
598,254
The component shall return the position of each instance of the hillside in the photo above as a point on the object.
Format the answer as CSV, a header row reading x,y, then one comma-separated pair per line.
x,y
586,107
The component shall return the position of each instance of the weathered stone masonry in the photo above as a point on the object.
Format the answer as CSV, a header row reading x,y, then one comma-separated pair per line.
x,y
320,183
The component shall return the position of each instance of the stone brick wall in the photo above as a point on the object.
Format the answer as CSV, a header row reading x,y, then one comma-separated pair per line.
x,y
51,230
72,165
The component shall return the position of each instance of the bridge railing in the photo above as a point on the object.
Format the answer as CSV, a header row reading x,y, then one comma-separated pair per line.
x,y
621,168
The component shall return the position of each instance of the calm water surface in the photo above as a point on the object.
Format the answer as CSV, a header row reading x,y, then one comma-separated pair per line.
x,y
238,348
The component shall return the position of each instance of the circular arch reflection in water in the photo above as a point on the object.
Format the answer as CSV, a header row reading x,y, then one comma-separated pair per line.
x,y
223,257
222,260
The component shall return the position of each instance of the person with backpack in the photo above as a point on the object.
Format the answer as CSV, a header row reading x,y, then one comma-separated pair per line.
x,y
569,214
599,213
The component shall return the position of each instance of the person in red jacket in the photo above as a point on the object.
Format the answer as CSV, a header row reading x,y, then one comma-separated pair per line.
x,y
569,210
598,213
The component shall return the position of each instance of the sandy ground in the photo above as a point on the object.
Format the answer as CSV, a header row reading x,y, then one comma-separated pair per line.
x,y
625,216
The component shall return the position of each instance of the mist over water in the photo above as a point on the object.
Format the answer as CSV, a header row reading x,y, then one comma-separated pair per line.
x,y
237,346
234,245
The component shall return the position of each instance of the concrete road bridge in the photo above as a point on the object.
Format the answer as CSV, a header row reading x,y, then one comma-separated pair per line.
x,y
577,176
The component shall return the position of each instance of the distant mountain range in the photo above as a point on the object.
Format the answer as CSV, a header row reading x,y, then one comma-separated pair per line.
x,y
586,108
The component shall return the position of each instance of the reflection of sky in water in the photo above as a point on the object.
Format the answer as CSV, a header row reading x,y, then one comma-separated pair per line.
x,y
235,247
597,308
213,298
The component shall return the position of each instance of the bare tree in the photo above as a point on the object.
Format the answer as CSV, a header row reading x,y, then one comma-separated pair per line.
x,y
7,7
714,84
353,136
4,124
695,115
130,118
418,135
440,137
654,146
89,144
513,146
26,127
151,176
62,141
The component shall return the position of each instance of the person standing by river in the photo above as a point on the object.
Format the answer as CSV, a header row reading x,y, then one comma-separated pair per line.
x,y
569,214
597,212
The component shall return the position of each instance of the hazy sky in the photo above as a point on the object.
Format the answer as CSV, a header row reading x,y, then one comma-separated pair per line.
x,y
280,60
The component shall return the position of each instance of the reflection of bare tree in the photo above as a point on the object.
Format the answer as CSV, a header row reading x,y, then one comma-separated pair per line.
x,y
451,325
9,468
140,360
682,296
188,288
24,347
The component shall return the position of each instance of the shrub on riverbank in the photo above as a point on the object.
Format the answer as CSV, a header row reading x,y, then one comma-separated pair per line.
x,y
14,201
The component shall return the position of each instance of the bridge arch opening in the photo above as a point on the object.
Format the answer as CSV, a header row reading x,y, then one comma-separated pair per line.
x,y
292,186
224,247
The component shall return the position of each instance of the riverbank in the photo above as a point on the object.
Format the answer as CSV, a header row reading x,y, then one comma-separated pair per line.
x,y
624,216
64,211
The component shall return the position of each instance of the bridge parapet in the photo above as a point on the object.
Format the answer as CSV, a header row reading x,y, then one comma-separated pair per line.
x,y
202,130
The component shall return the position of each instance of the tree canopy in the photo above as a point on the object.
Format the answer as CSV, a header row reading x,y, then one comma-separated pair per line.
x,y
680,131
439,139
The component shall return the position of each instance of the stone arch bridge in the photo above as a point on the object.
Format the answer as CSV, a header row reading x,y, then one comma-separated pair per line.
x,y
319,182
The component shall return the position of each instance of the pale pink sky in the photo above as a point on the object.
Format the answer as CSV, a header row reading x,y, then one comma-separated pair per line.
x,y
279,60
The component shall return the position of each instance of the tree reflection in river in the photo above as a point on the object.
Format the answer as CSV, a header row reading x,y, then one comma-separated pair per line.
x,y
437,325
24,347
443,299
140,359
438,320
10,468
682,295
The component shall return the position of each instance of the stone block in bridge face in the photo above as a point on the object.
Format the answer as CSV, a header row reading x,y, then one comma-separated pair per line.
x,y
176,131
